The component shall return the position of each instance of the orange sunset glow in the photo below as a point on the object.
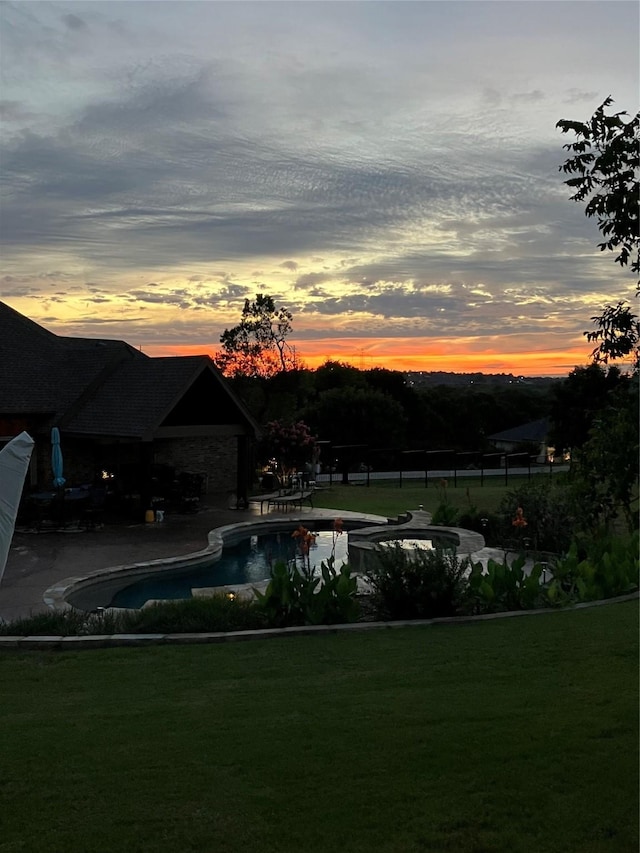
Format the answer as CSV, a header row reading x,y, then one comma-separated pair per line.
x,y
445,355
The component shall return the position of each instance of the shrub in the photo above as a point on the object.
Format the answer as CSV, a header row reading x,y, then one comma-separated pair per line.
x,y
548,515
191,615
296,596
219,612
417,584
445,514
482,521
53,623
596,567
503,586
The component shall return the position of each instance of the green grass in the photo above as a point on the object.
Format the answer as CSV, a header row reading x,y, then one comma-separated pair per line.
x,y
387,498
511,735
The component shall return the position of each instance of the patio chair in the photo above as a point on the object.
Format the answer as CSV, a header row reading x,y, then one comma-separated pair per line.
x,y
93,510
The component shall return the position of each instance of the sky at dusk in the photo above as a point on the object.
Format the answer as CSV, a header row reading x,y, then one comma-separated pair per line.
x,y
388,171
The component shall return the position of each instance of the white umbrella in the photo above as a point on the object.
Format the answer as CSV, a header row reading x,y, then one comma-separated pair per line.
x,y
14,463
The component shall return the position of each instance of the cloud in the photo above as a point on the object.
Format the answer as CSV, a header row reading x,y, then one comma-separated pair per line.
x,y
574,96
529,97
74,22
377,166
14,111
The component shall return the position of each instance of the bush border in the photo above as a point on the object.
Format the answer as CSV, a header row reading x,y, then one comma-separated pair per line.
x,y
98,641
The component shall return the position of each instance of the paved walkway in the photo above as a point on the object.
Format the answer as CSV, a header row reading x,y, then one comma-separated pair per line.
x,y
38,560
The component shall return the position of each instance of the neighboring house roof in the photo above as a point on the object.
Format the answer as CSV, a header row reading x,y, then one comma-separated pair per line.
x,y
533,431
101,387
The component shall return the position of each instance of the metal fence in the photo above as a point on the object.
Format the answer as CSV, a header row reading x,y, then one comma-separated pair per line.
x,y
357,463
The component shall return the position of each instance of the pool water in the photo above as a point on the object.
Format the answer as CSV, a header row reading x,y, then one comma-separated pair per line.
x,y
247,562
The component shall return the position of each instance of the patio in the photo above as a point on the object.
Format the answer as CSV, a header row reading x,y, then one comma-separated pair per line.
x,y
37,560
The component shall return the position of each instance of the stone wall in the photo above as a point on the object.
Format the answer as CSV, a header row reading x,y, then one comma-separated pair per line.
x,y
216,458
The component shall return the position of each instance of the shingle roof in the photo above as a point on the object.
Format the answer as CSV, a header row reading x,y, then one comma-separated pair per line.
x,y
43,372
532,431
95,386
136,397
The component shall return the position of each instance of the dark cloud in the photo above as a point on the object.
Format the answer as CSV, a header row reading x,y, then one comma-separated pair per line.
x,y
14,111
74,22
312,279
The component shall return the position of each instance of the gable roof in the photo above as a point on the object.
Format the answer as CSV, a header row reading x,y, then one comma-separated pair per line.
x,y
533,431
96,386
135,398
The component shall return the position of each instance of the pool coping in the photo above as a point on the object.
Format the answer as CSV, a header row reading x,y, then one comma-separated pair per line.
x,y
96,641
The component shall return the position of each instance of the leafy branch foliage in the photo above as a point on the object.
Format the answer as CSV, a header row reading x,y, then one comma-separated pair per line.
x,y
617,334
605,166
606,161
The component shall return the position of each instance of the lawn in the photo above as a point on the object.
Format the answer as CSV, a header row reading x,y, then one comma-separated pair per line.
x,y
387,498
511,735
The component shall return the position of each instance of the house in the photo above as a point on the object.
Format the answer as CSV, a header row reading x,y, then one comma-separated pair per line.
x,y
120,413
533,434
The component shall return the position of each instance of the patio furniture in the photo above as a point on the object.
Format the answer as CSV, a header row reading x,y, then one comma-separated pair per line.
x,y
283,499
296,498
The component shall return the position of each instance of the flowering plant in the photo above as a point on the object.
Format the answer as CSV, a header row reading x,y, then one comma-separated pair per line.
x,y
290,444
306,540
519,520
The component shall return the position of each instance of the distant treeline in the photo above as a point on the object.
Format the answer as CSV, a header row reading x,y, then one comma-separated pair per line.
x,y
423,379
384,408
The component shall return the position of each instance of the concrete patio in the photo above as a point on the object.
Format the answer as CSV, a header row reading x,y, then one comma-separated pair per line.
x,y
38,560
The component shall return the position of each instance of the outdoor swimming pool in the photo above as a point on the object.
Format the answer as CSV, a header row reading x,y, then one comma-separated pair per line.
x,y
247,562
242,554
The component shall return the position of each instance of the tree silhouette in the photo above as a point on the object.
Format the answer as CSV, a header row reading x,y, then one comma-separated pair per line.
x,y
258,345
